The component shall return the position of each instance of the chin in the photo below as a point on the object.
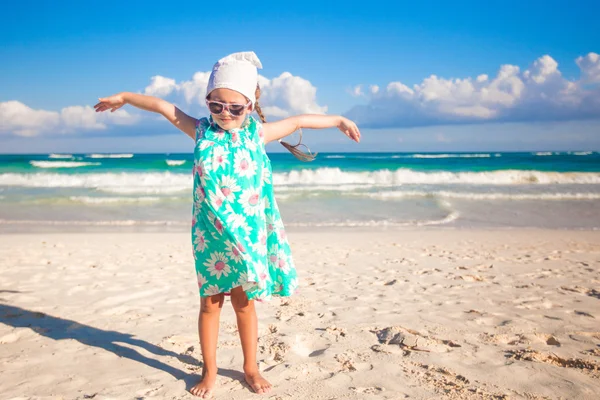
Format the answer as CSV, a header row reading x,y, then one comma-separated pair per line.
x,y
231,124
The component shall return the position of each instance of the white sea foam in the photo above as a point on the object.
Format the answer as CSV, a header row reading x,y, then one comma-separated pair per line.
x,y
93,223
146,183
318,179
127,155
480,196
60,156
385,177
450,156
61,164
113,200
175,162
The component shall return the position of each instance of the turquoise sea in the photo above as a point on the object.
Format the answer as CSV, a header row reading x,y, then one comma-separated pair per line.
x,y
153,191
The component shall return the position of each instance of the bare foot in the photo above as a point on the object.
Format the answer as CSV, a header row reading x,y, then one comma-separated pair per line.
x,y
206,385
259,384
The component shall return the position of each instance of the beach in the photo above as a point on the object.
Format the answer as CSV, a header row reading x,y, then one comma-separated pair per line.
x,y
386,313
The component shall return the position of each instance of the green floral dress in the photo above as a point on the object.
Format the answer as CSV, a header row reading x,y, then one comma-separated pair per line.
x,y
237,234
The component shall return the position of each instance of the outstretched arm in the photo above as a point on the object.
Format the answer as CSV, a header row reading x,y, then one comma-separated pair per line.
x,y
277,130
181,120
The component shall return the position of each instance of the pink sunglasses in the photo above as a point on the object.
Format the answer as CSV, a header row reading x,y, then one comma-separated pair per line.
x,y
216,107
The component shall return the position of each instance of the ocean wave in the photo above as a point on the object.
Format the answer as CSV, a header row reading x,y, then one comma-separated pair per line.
x,y
318,179
114,200
335,156
60,156
582,153
146,183
93,223
451,217
545,153
127,155
173,163
480,196
385,177
481,155
61,164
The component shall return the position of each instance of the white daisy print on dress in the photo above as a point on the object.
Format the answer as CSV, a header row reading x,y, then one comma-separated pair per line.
x,y
211,290
236,140
234,252
219,158
266,175
250,144
262,273
219,133
217,265
216,199
272,257
229,187
236,221
282,261
201,280
205,144
199,171
260,247
250,201
243,164
200,240
200,194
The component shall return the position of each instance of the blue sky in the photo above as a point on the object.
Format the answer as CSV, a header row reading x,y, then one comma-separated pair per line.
x,y
57,55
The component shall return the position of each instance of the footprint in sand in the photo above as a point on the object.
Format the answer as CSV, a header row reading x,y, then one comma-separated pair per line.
x,y
346,362
585,337
411,340
471,278
583,314
583,290
520,339
10,338
273,348
587,366
453,385
368,390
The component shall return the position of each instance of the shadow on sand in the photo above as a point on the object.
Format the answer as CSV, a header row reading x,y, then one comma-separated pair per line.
x,y
60,329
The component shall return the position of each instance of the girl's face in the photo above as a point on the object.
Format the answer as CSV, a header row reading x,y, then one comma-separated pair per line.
x,y
226,120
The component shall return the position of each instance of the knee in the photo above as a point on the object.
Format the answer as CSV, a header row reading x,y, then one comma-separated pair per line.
x,y
240,302
212,304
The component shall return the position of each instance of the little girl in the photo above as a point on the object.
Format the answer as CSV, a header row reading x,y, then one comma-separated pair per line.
x,y
239,242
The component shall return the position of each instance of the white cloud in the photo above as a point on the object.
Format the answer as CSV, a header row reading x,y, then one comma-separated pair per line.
x,y
590,67
538,93
25,121
289,95
281,97
357,91
21,120
160,86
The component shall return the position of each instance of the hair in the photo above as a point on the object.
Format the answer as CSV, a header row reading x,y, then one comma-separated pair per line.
x,y
299,154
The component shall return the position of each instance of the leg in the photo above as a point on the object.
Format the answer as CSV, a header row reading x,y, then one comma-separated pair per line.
x,y
248,328
208,330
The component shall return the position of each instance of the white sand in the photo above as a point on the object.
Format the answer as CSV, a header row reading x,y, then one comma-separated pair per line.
x,y
469,314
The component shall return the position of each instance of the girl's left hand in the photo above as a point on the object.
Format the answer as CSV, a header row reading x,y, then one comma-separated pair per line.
x,y
349,129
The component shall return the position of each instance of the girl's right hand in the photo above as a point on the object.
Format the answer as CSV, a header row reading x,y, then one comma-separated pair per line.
x,y
112,102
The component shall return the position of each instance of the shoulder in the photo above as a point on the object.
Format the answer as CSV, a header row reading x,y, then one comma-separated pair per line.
x,y
202,125
256,127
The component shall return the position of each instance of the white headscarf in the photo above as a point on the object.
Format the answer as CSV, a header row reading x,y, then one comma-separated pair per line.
x,y
237,71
